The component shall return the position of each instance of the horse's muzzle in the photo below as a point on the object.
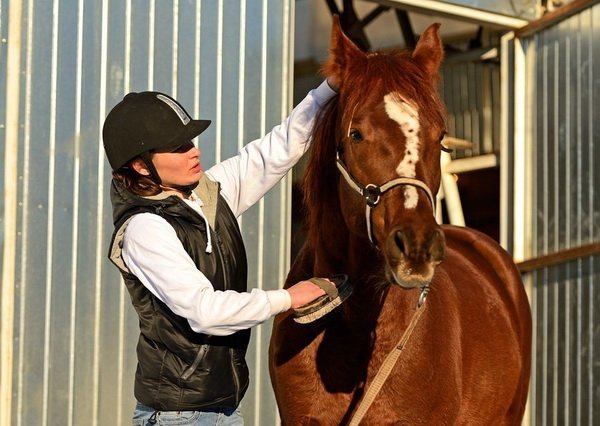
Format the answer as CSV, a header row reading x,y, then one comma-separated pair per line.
x,y
412,255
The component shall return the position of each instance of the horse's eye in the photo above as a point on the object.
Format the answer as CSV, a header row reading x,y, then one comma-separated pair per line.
x,y
355,136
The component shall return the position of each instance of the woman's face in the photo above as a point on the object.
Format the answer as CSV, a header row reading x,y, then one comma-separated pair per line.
x,y
179,166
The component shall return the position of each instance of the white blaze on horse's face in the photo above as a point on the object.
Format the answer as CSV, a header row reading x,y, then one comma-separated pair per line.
x,y
408,119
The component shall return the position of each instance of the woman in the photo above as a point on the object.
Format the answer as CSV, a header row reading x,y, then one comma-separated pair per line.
x,y
180,251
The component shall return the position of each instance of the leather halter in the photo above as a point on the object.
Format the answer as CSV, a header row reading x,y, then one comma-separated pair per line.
x,y
373,193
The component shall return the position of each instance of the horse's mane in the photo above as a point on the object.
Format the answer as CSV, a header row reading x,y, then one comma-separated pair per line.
x,y
320,180
375,73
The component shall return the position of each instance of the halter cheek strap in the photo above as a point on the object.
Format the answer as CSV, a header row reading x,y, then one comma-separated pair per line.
x,y
373,193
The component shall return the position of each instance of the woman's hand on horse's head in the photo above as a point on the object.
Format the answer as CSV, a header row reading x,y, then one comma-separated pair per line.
x,y
333,82
304,292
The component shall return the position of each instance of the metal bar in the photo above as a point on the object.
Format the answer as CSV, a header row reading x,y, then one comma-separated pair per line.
x,y
468,14
13,86
469,164
407,29
451,194
333,7
474,55
372,15
520,171
506,81
559,257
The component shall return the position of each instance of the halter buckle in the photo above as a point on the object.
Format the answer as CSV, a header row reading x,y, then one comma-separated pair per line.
x,y
372,194
423,296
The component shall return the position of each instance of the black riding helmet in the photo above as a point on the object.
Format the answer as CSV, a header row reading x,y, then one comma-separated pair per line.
x,y
143,122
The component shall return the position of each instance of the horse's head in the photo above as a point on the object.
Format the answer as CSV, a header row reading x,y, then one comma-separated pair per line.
x,y
390,123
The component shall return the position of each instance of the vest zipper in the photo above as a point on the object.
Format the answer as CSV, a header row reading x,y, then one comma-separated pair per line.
x,y
190,370
202,351
236,379
224,264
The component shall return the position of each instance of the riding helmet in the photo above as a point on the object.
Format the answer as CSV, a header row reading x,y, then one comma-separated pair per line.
x,y
145,121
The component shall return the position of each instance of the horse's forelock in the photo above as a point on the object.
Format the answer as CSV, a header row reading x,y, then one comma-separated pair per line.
x,y
397,73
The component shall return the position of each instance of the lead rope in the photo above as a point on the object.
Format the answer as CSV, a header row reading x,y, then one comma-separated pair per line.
x,y
389,363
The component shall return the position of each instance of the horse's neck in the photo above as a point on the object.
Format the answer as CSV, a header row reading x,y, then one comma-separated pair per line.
x,y
339,251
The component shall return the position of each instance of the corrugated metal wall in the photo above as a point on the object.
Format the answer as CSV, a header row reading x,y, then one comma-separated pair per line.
x,y
74,328
561,146
470,88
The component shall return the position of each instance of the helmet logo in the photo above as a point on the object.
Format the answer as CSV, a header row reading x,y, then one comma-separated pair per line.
x,y
185,119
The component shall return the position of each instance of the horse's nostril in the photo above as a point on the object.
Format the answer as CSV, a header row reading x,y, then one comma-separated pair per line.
x,y
437,246
398,238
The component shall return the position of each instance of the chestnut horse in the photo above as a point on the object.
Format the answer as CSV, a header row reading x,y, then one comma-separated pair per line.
x,y
467,361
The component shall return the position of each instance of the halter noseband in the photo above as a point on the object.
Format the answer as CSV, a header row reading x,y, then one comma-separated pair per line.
x,y
373,193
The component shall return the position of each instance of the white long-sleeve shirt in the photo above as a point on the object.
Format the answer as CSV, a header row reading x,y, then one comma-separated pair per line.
x,y
154,254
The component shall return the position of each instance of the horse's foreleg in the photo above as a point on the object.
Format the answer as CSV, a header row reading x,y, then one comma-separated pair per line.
x,y
292,354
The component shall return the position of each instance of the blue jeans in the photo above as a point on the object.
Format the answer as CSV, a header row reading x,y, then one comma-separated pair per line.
x,y
211,417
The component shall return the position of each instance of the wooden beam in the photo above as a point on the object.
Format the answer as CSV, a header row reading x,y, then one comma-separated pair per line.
x,y
559,257
554,17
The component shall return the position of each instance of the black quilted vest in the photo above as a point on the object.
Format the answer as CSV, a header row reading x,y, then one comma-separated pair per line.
x,y
179,369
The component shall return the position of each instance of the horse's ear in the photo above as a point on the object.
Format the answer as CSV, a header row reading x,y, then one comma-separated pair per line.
x,y
429,51
342,53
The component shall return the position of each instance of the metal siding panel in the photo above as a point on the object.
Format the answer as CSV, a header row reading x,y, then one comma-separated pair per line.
x,y
475,104
6,347
60,210
253,220
494,144
274,222
92,222
209,81
230,86
164,45
592,348
139,21
463,124
3,64
261,224
115,372
472,100
33,364
75,329
562,321
573,269
470,89
186,55
566,307
594,136
446,92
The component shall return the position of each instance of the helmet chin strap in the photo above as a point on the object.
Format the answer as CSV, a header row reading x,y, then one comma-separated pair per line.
x,y
185,189
147,158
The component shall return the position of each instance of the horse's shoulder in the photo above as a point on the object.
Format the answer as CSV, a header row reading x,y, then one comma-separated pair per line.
x,y
475,244
466,245
481,250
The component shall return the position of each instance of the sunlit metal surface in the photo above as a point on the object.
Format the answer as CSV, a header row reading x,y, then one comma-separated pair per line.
x,y
491,13
470,87
560,132
74,329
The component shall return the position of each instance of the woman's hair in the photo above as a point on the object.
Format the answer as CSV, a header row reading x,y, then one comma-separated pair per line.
x,y
134,182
